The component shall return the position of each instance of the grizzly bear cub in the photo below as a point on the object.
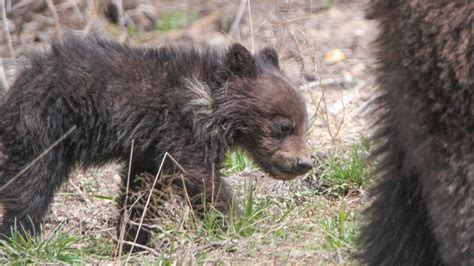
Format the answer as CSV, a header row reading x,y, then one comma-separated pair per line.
x,y
85,101
423,211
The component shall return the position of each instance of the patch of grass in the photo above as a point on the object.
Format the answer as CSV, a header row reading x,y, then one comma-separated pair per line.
x,y
297,223
131,30
348,170
212,225
341,230
174,19
344,172
236,161
328,3
242,223
98,247
55,247
252,215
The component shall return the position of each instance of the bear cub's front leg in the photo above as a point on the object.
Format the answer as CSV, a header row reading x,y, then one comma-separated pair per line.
x,y
198,188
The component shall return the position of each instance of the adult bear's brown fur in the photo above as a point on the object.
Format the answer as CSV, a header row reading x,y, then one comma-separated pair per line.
x,y
423,213
192,103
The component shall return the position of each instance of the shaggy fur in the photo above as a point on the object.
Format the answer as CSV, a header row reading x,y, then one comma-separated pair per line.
x,y
193,103
423,213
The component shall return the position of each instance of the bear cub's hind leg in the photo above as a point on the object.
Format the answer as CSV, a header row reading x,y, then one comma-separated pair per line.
x,y
25,201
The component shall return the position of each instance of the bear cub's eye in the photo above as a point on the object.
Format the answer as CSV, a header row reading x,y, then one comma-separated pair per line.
x,y
283,127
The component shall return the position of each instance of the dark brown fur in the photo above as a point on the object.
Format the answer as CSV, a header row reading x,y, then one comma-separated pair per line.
x,y
423,213
192,103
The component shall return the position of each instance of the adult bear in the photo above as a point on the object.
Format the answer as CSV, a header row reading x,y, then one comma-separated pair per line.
x,y
423,212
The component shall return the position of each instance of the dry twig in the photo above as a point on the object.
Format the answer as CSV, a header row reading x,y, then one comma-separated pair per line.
x,y
6,29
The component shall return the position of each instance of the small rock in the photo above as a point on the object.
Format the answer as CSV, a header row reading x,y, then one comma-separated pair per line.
x,y
334,56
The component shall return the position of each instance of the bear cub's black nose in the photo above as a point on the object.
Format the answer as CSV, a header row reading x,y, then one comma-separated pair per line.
x,y
304,164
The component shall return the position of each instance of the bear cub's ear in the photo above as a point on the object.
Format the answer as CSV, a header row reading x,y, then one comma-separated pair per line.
x,y
270,56
240,62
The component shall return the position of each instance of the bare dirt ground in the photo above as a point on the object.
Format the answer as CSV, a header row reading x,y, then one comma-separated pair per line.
x,y
324,48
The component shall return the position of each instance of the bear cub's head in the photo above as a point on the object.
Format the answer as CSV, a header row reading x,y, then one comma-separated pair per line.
x,y
268,112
